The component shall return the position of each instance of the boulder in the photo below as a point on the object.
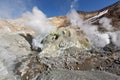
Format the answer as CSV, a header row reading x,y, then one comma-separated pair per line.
x,y
14,43
12,46
56,42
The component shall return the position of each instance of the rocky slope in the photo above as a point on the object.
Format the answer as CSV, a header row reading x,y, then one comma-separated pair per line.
x,y
112,12
67,54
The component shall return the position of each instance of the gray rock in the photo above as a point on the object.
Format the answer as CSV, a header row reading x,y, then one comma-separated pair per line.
x,y
77,75
14,43
12,46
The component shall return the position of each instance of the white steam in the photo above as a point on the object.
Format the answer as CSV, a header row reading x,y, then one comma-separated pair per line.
x,y
38,21
97,39
106,23
75,18
116,38
72,6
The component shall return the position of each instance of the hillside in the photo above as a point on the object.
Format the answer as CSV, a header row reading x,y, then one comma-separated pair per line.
x,y
77,46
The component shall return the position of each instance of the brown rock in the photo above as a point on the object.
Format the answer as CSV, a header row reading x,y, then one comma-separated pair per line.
x,y
59,21
16,26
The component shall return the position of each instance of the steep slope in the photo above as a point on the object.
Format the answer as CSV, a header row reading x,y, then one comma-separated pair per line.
x,y
112,12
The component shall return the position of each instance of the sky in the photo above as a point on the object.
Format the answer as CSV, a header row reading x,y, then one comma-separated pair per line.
x,y
15,8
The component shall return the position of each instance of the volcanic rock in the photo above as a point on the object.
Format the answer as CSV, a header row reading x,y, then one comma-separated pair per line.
x,y
62,39
12,46
14,43
78,75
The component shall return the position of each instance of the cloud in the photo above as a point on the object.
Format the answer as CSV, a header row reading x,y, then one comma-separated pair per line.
x,y
14,8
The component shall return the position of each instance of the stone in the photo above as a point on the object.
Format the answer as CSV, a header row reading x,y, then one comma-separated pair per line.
x,y
77,75
62,39
12,46
29,67
14,43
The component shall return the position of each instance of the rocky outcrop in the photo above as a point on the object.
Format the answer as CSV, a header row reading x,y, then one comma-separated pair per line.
x,y
67,48
62,39
14,43
12,46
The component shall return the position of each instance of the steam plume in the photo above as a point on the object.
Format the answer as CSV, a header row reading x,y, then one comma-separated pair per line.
x,y
37,21
96,38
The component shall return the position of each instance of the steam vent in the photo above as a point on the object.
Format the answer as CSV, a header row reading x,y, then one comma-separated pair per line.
x,y
76,46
